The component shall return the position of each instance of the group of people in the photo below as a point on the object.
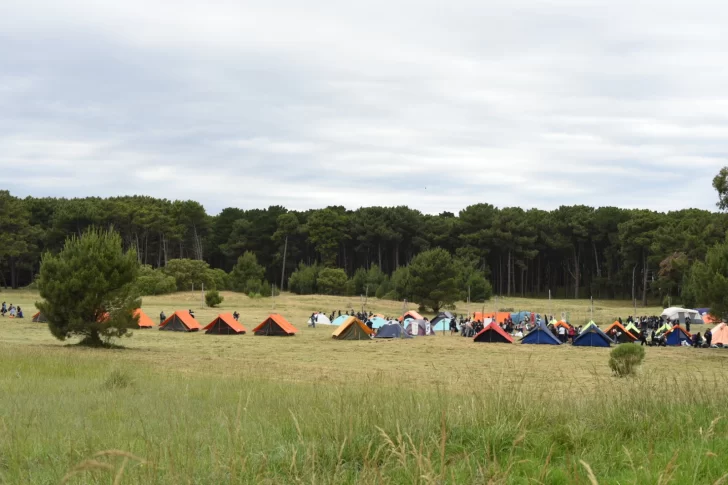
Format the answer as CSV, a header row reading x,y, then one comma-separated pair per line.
x,y
12,311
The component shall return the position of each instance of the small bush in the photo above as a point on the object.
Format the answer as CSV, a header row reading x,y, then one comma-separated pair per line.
x,y
118,379
213,298
625,359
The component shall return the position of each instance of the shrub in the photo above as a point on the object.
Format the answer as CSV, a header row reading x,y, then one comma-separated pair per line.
x,y
154,282
188,272
303,280
213,298
247,272
331,281
625,359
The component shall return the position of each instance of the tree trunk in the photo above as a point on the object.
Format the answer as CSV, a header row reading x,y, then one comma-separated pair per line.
x,y
644,283
396,258
283,271
596,260
577,274
13,274
508,266
379,249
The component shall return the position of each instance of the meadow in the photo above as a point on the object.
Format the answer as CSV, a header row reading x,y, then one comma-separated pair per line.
x,y
174,408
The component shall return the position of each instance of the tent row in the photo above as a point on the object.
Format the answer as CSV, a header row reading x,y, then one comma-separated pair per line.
x,y
225,324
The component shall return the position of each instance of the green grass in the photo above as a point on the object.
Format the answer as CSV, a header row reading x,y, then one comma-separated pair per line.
x,y
192,408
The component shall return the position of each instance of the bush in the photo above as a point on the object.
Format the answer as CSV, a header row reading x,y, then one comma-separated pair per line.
x,y
154,282
625,359
213,298
247,272
189,272
303,280
331,281
219,278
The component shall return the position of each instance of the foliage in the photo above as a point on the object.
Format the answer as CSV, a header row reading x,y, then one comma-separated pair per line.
x,y
89,289
213,298
154,282
434,279
247,274
303,280
401,285
219,279
625,359
188,273
708,282
331,281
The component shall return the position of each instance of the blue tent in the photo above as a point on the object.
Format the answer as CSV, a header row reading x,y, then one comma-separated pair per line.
x,y
520,316
378,322
339,320
392,330
592,337
676,336
541,335
442,321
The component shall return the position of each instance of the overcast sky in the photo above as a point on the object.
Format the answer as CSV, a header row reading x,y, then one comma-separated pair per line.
x,y
431,104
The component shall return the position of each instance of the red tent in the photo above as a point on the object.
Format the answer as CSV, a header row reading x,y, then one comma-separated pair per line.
x,y
224,324
275,325
180,321
144,320
494,334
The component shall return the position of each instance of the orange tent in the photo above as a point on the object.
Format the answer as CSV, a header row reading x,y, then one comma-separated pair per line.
x,y
720,335
709,319
144,320
275,325
39,318
498,317
562,323
180,321
411,314
626,336
224,324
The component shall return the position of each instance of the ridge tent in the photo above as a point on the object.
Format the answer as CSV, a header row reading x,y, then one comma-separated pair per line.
x,y
562,323
180,321
378,322
679,314
224,324
709,319
447,316
39,318
321,319
720,335
592,336
144,320
677,335
419,327
392,330
275,325
665,328
631,328
352,329
339,320
626,337
540,335
411,314
492,333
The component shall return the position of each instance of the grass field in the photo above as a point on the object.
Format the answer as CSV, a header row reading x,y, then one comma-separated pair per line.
x,y
191,408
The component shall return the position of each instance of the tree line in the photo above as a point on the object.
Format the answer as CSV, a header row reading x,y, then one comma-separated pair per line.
x,y
573,251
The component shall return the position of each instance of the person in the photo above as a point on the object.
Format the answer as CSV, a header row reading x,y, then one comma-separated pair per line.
x,y
339,312
687,324
708,338
453,326
312,321
572,334
696,340
236,315
20,312
620,320
643,338
192,314
12,311
4,309
562,334
162,317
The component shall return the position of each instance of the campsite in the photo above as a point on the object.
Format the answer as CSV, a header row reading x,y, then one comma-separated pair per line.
x,y
179,406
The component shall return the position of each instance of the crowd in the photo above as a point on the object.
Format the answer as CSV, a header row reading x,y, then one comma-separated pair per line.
x,y
12,311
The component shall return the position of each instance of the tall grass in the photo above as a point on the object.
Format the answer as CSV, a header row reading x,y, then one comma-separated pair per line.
x,y
88,418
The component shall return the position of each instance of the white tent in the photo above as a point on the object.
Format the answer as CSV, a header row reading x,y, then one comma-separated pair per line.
x,y
675,313
321,319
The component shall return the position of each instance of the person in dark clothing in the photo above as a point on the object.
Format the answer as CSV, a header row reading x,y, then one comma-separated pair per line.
x,y
20,313
312,322
643,338
192,314
696,340
708,338
4,309
339,312
687,324
620,320
162,317
236,316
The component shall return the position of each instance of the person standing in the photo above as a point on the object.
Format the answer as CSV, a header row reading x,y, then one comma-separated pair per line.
x,y
687,324
708,338
562,334
162,317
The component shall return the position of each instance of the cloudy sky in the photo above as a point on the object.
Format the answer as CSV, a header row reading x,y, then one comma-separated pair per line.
x,y
432,104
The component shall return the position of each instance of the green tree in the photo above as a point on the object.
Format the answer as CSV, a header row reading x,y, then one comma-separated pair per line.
x,y
154,282
303,280
247,274
189,272
327,229
720,184
88,289
288,226
709,281
331,281
434,279
15,232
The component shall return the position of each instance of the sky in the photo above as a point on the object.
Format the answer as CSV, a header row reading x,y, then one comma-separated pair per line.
x,y
430,104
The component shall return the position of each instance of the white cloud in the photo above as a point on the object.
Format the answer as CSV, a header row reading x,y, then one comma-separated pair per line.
x,y
514,102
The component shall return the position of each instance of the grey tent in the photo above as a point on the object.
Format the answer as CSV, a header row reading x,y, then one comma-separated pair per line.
x,y
419,328
392,330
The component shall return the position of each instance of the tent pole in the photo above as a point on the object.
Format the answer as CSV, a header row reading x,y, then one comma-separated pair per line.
x,y
202,296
